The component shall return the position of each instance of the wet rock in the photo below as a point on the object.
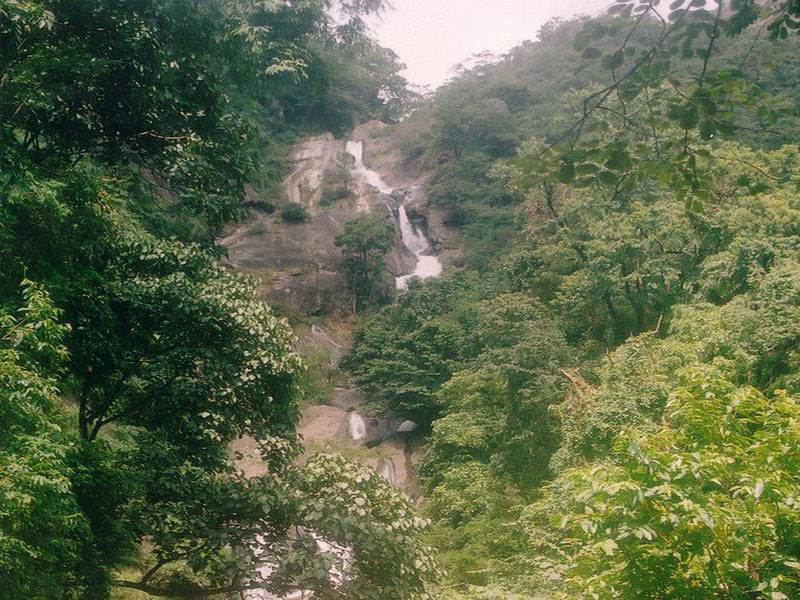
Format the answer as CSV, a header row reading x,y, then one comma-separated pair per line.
x,y
356,425
347,398
386,469
407,427
299,263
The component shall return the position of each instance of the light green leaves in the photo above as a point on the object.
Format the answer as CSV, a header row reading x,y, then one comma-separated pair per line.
x,y
664,535
758,489
608,546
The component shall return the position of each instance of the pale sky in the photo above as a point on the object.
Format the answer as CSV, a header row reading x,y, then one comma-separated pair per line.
x,y
431,36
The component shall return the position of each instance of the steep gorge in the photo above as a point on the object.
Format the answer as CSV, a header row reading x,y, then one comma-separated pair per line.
x,y
298,264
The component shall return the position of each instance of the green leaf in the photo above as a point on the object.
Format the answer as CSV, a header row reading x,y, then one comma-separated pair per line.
x,y
608,178
614,61
758,489
707,129
685,116
586,169
619,161
599,32
608,546
629,91
566,173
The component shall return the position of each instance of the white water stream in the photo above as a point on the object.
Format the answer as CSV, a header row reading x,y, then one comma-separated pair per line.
x,y
340,556
413,237
415,240
360,172
385,469
356,426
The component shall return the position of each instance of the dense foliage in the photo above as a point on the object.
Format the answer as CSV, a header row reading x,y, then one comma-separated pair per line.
x,y
364,243
130,356
610,380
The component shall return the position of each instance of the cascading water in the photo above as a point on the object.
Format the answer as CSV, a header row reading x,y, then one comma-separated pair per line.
x,y
356,425
360,170
427,266
341,558
385,469
414,238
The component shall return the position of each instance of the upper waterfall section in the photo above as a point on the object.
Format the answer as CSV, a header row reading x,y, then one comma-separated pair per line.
x,y
413,236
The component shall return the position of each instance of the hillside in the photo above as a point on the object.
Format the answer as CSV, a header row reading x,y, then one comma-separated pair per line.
x,y
137,368
274,327
619,324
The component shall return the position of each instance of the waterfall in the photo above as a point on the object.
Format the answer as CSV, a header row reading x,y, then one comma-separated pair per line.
x,y
341,558
356,425
414,238
360,170
385,469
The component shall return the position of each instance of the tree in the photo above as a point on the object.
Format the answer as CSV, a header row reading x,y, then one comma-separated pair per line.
x,y
669,92
402,356
364,243
293,212
172,357
343,170
485,124
702,507
122,125
44,530
290,530
171,339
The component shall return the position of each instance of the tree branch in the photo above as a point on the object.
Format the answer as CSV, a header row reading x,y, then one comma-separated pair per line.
x,y
606,92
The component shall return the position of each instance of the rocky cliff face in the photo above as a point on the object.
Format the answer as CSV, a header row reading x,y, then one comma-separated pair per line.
x,y
382,151
298,262
299,266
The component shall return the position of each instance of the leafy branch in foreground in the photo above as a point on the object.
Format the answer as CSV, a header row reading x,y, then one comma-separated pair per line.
x,y
706,506
669,95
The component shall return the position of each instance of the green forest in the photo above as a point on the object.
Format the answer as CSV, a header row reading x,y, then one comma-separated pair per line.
x,y
605,379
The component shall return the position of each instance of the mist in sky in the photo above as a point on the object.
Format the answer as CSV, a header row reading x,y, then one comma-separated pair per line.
x,y
431,36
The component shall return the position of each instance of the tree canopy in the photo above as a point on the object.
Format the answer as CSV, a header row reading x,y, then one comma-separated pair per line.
x,y
130,355
609,376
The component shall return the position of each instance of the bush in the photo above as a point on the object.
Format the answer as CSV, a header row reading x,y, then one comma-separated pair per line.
x,y
258,228
294,213
264,206
717,479
332,196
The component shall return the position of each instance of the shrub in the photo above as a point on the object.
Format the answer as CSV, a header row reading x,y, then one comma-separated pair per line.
x,y
258,228
332,196
294,213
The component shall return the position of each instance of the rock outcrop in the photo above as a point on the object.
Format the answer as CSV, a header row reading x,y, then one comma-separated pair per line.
x,y
299,262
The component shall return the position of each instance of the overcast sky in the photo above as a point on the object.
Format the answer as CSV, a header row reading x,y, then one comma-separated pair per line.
x,y
431,36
